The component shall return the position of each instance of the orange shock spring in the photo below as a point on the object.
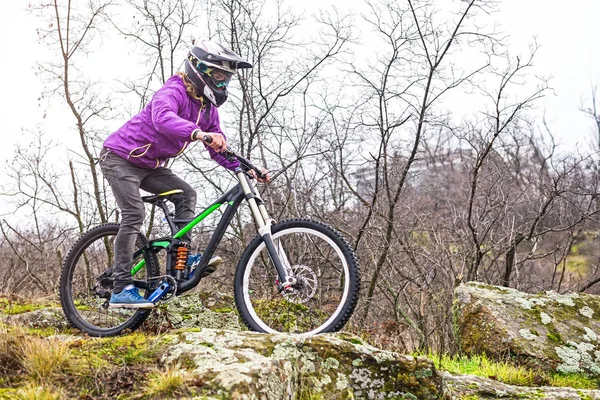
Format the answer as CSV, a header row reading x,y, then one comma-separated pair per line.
x,y
182,256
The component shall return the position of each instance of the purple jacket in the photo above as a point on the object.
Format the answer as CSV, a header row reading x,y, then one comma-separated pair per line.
x,y
163,129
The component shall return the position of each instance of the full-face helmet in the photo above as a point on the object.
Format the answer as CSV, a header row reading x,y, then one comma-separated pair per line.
x,y
210,66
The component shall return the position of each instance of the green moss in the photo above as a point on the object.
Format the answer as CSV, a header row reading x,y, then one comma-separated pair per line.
x,y
222,310
577,381
554,336
486,286
43,332
284,316
477,330
130,349
13,308
13,305
354,340
584,396
188,330
577,264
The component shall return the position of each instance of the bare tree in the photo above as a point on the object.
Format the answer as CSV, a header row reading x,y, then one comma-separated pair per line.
x,y
592,111
405,100
162,29
70,32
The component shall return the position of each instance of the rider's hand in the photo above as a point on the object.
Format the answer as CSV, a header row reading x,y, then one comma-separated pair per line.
x,y
266,178
218,143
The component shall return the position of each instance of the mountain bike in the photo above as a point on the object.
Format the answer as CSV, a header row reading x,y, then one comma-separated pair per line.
x,y
298,276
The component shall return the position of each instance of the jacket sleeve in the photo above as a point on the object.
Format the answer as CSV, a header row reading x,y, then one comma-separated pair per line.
x,y
165,104
215,127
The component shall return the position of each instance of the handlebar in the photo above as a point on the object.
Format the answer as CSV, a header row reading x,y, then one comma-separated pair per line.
x,y
231,156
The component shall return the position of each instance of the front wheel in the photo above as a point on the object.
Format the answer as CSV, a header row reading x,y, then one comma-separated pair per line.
x,y
327,280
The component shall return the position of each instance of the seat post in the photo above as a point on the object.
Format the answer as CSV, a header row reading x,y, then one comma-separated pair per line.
x,y
165,209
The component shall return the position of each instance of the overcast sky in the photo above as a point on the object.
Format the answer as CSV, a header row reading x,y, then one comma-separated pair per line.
x,y
566,31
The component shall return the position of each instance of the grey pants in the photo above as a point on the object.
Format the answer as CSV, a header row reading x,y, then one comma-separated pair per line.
x,y
125,180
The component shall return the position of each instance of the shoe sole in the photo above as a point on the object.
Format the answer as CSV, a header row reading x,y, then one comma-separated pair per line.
x,y
143,305
215,261
212,266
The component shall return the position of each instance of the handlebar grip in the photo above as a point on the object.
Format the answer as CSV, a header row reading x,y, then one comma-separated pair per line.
x,y
232,156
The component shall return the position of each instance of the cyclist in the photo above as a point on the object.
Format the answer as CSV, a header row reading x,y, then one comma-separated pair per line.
x,y
182,111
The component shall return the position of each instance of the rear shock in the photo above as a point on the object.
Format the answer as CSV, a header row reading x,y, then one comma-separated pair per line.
x,y
182,255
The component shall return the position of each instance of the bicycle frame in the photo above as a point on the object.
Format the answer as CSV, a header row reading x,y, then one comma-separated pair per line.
x,y
245,189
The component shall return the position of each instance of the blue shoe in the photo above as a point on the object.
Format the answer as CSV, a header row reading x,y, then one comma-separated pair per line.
x,y
129,298
194,261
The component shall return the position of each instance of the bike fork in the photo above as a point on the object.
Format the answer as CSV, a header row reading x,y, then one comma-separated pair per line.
x,y
263,222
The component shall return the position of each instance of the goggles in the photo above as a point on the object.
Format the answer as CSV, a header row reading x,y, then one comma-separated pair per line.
x,y
219,77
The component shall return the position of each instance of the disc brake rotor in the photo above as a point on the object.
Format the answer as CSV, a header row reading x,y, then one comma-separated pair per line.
x,y
305,287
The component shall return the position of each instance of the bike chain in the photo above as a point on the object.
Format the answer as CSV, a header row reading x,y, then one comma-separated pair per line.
x,y
171,293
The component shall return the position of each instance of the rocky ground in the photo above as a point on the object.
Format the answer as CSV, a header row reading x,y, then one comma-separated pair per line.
x,y
195,347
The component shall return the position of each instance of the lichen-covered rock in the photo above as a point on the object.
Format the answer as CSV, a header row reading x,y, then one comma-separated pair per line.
x,y
549,331
248,365
52,317
463,387
198,310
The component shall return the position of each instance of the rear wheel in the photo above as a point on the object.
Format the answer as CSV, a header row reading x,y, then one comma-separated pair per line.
x,y
327,280
85,284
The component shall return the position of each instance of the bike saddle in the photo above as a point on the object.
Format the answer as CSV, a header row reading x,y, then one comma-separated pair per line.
x,y
161,196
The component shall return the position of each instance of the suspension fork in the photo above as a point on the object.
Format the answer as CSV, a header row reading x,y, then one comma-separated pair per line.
x,y
264,222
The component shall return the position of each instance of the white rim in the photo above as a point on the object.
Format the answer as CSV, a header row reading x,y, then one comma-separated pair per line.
x,y
257,251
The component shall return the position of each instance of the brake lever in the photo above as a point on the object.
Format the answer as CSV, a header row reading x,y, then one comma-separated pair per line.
x,y
229,155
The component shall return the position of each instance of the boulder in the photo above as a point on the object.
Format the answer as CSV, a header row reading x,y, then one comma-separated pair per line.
x,y
196,310
42,318
548,331
248,365
474,387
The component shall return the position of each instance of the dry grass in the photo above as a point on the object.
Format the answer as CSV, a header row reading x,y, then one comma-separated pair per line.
x,y
34,366
10,350
32,392
41,359
166,383
44,359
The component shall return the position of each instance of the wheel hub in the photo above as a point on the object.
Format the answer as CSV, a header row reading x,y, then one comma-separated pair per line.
x,y
305,287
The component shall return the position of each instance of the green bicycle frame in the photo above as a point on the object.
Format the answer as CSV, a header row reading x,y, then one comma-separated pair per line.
x,y
245,189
